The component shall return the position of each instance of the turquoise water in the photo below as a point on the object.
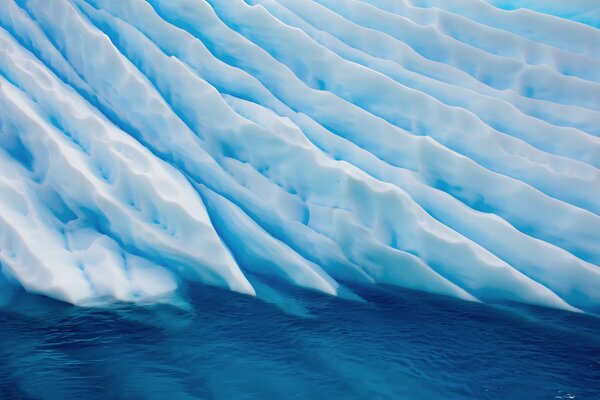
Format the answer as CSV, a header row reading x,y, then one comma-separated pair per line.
x,y
396,344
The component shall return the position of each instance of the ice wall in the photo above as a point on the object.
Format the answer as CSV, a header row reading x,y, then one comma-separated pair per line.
x,y
442,146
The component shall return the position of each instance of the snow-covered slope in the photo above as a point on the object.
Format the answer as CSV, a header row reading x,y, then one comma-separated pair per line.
x,y
444,146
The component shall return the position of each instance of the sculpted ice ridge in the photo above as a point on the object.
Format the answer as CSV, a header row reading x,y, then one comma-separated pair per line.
x,y
433,145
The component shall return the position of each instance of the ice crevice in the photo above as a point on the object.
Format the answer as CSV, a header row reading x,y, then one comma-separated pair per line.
x,y
325,144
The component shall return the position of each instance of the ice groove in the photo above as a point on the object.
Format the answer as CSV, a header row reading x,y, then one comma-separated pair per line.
x,y
497,113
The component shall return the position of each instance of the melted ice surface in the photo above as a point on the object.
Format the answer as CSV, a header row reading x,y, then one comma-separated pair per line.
x,y
443,146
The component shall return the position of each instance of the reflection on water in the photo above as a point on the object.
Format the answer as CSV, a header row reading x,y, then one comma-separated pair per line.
x,y
396,344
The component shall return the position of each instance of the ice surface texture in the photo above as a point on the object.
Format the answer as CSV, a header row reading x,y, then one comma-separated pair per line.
x,y
445,146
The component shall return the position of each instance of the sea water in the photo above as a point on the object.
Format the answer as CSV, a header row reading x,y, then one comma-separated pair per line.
x,y
392,344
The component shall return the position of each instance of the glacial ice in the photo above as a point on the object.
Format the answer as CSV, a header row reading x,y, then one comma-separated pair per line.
x,y
433,145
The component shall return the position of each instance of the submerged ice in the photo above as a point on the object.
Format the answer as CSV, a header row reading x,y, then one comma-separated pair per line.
x,y
441,146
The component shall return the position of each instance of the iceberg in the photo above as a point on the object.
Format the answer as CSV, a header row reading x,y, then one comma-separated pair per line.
x,y
441,146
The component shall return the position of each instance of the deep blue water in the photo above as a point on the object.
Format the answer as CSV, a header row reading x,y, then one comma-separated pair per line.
x,y
397,344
